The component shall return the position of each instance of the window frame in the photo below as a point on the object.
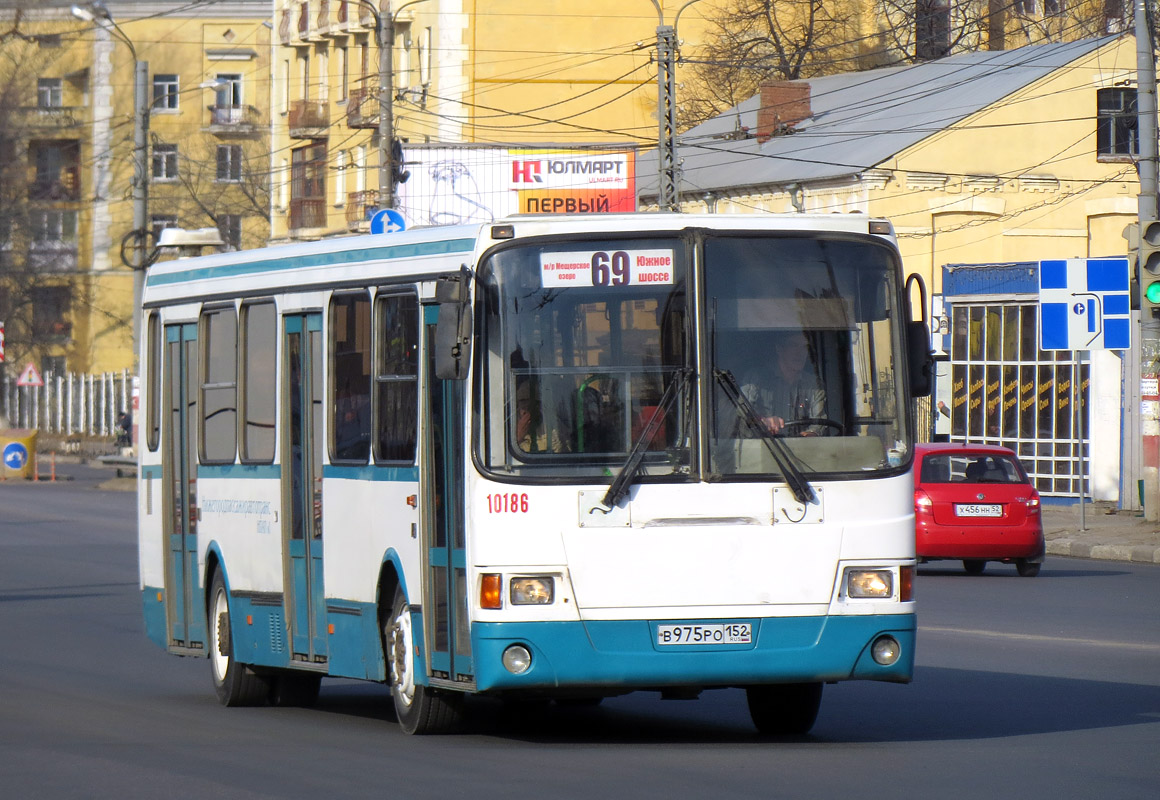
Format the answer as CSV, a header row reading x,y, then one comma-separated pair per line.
x,y
1112,125
232,163
205,344
166,92
379,376
244,390
335,375
163,154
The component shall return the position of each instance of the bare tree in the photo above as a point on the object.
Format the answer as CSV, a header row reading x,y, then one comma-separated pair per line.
x,y
39,190
750,42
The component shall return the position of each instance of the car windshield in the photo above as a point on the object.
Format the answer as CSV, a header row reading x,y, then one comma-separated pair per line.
x,y
970,468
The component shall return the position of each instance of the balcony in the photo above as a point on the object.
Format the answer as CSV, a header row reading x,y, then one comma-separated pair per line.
x,y
53,118
309,119
362,108
66,190
359,207
307,213
234,120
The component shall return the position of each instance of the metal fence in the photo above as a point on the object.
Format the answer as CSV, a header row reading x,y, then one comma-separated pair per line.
x,y
68,404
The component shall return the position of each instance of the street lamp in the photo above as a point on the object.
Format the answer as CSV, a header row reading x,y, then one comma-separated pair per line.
x,y
97,14
385,33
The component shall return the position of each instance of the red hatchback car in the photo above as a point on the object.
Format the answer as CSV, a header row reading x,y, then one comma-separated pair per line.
x,y
976,503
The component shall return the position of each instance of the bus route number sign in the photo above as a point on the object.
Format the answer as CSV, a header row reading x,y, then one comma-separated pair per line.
x,y
607,268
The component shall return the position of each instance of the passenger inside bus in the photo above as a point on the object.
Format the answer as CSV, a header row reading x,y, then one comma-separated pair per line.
x,y
787,393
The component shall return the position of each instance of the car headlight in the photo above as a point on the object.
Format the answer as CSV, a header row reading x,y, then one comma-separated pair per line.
x,y
532,591
870,583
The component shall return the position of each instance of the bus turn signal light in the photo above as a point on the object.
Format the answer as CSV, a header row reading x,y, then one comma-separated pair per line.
x,y
490,591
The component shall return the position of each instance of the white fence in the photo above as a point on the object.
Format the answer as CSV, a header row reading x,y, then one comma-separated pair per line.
x,y
68,404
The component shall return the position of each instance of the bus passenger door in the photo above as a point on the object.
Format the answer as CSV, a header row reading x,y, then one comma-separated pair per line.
x,y
441,473
302,399
184,604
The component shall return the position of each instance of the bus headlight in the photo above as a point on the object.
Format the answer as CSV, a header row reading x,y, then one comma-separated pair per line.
x,y
532,591
870,583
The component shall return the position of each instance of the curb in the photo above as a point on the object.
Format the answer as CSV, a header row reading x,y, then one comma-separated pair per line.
x,y
1073,548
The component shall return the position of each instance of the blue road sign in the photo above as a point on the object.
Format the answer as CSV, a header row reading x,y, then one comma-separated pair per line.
x,y
1085,304
388,220
15,455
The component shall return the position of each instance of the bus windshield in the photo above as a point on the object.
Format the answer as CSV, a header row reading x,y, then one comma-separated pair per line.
x,y
807,329
582,341
799,343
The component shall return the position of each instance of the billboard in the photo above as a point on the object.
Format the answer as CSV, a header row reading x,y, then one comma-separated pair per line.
x,y
457,185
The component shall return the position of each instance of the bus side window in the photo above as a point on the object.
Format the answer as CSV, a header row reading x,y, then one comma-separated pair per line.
x,y
350,377
397,377
153,390
258,384
219,385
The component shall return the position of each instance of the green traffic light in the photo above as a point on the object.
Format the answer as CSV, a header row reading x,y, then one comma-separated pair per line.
x,y
1152,293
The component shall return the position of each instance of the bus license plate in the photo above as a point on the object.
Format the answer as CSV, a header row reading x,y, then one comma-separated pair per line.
x,y
978,510
723,633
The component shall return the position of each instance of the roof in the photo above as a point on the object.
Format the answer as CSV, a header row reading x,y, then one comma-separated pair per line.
x,y
859,119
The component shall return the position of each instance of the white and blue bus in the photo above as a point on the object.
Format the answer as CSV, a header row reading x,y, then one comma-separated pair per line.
x,y
523,459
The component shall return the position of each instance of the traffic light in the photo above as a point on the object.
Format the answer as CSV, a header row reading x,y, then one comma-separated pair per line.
x,y
1148,259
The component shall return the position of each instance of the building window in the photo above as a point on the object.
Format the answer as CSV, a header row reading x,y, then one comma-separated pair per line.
x,y
323,75
229,162
340,178
230,227
1006,391
229,91
1116,122
343,73
50,309
164,162
308,169
160,222
165,90
57,167
53,226
48,93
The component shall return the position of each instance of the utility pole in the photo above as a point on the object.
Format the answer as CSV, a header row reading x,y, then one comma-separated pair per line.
x,y
1148,228
668,170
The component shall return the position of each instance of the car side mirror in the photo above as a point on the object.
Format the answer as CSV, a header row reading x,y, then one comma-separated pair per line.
x,y
453,327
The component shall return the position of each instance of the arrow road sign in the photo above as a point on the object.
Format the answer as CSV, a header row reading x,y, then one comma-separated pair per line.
x,y
388,220
1084,304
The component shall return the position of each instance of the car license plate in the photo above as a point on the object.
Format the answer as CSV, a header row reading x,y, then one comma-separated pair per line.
x,y
978,510
722,633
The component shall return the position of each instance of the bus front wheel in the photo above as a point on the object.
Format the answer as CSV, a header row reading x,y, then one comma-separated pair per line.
x,y
235,683
787,709
420,708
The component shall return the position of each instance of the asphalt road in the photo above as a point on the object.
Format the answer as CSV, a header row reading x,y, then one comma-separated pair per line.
x,y
1043,687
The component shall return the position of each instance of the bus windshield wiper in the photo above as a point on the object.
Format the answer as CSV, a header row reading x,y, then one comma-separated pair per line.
x,y
802,491
624,478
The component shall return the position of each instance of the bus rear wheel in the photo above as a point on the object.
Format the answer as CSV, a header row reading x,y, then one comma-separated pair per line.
x,y
235,683
787,709
420,709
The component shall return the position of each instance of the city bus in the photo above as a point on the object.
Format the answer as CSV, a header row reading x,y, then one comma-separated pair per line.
x,y
523,460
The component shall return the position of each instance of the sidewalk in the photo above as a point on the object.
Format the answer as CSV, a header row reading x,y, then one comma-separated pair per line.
x,y
1109,535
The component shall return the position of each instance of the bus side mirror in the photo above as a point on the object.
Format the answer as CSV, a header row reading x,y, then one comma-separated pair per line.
x,y
919,357
452,328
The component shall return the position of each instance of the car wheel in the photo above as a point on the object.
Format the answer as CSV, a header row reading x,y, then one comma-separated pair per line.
x,y
1026,569
974,566
788,709
420,709
235,683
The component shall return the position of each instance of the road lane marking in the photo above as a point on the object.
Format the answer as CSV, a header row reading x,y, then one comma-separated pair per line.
x,y
1031,637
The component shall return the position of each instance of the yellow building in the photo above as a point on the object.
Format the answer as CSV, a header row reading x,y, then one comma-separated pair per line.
x,y
498,74
207,157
